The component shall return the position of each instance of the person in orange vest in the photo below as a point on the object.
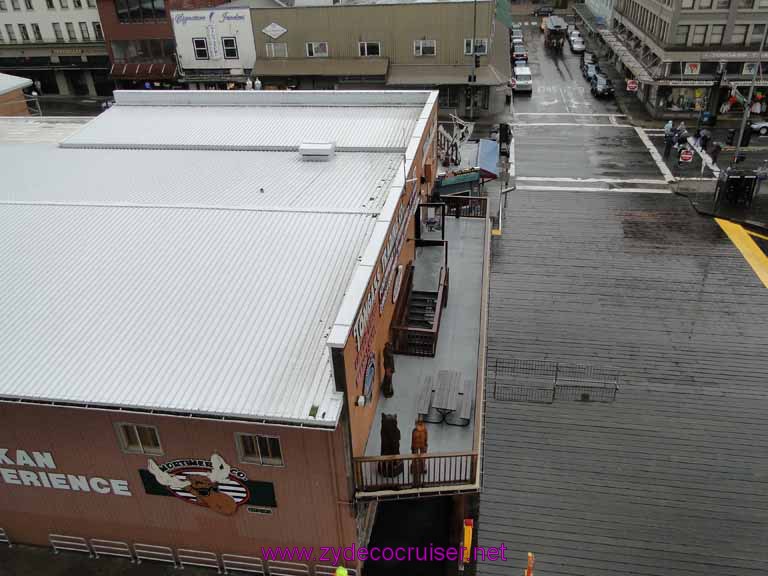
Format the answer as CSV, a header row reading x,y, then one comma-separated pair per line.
x,y
419,442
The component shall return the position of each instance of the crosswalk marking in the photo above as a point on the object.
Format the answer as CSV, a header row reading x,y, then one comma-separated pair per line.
x,y
587,125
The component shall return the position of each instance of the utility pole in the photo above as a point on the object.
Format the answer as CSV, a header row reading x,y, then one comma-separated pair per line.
x,y
473,50
748,103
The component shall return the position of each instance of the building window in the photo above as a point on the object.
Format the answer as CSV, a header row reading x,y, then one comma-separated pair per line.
x,y
705,4
716,32
687,5
64,4
739,35
3,6
36,33
481,46
10,32
77,3
682,35
28,4
71,31
84,31
57,32
264,450
91,3
24,33
723,4
276,49
230,48
15,5
97,33
138,439
135,51
50,4
746,4
699,34
201,48
756,37
317,49
140,10
424,47
369,48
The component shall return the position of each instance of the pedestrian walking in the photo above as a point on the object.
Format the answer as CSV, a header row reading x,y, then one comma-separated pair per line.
x,y
704,139
716,148
668,143
668,127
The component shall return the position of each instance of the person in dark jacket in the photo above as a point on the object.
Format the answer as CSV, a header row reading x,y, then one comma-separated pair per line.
x,y
389,369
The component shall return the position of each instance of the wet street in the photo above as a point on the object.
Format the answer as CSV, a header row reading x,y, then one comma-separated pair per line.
x,y
565,137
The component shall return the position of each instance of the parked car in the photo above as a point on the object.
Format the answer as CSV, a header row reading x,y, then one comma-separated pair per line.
x,y
516,33
577,46
590,70
523,80
761,127
588,58
516,41
519,52
573,35
544,11
602,86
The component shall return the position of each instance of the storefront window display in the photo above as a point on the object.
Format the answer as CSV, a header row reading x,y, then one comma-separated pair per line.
x,y
681,98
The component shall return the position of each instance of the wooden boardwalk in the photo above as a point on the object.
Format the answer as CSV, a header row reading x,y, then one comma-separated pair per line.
x,y
672,478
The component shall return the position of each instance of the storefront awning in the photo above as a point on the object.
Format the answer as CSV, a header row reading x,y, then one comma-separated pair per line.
x,y
488,158
321,67
742,83
143,71
627,58
449,75
694,83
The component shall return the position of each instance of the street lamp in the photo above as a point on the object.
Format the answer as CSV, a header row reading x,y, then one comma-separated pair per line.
x,y
748,103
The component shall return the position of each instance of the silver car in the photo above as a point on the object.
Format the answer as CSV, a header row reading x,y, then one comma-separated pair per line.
x,y
761,127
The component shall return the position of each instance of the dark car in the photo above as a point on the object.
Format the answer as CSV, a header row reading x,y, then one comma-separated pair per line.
x,y
519,52
544,11
601,86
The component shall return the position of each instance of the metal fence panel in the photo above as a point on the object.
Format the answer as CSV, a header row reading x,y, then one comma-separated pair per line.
x,y
198,558
153,553
111,548
247,564
287,569
4,539
72,543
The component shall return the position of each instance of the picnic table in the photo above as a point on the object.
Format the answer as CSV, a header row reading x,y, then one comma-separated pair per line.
x,y
446,395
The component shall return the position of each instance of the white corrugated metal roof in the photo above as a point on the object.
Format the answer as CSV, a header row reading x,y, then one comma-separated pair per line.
x,y
166,280
265,180
221,312
9,83
250,127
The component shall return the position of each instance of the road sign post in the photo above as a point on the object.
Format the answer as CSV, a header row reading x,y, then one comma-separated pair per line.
x,y
512,83
632,86
686,156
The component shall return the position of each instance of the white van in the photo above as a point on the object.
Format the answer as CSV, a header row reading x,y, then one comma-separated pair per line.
x,y
523,79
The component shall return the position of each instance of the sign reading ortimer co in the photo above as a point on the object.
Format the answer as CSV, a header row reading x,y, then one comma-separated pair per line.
x,y
38,479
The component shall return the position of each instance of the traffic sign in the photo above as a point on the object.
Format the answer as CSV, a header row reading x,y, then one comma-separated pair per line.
x,y
686,156
512,82
632,86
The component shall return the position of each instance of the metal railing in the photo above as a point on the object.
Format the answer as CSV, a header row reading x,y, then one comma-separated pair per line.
x,y
422,341
4,539
542,381
466,206
399,472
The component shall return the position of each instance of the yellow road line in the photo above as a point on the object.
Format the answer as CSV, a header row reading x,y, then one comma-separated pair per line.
x,y
757,234
746,245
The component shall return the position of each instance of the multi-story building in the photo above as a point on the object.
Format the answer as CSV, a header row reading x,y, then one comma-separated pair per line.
x,y
228,310
371,44
695,52
140,40
58,44
603,10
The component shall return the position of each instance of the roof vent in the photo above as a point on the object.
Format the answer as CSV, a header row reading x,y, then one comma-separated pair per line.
x,y
317,151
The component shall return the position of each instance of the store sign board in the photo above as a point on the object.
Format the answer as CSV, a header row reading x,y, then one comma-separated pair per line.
x,y
274,30
749,68
692,69
19,475
210,483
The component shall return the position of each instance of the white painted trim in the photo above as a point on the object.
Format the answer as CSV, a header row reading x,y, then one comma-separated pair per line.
x,y
668,176
588,180
580,189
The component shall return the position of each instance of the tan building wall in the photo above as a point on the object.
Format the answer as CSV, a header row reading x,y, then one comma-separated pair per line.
x,y
312,489
395,26
361,417
13,104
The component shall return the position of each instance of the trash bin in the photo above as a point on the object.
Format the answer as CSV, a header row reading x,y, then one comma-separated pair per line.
x,y
708,119
745,139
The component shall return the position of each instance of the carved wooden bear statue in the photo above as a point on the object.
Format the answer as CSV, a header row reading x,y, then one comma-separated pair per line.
x,y
390,445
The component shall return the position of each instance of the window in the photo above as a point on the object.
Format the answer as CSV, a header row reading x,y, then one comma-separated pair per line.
x,y
699,33
317,49
716,34
682,35
36,33
71,31
24,33
481,46
757,34
746,4
369,48
264,450
3,6
28,4
687,4
77,3
91,3
723,4
739,35
1,37
15,4
230,48
50,5
705,4
276,49
97,33
64,4
134,51
424,47
139,439
57,32
201,48
10,32
84,30
139,10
